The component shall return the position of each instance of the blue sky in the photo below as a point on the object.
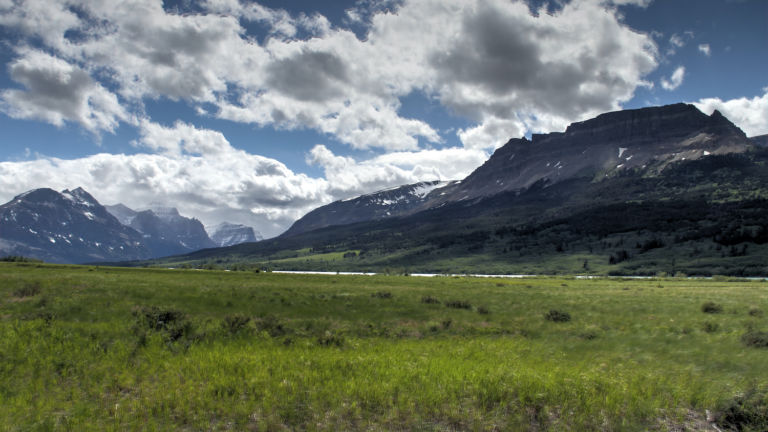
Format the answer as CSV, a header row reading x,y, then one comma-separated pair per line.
x,y
257,112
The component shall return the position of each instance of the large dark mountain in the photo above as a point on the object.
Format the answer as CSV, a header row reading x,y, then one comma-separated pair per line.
x,y
663,189
610,143
70,226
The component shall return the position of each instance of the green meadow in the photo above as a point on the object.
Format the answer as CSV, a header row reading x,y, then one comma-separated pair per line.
x,y
96,348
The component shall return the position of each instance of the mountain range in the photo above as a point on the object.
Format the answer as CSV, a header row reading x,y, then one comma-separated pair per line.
x,y
73,227
636,192
655,190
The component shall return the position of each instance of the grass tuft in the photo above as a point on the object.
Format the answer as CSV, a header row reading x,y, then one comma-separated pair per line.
x,y
711,308
30,289
429,300
755,339
458,304
555,315
235,323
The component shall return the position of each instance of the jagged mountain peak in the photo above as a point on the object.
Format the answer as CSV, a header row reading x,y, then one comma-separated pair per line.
x,y
164,212
80,196
67,226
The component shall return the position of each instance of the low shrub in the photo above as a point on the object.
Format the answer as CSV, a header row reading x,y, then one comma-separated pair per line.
x,y
483,310
430,300
458,304
272,325
710,327
746,412
172,323
755,339
711,307
330,338
236,323
555,315
755,312
382,295
29,289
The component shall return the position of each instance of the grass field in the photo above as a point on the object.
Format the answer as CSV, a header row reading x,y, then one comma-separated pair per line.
x,y
87,348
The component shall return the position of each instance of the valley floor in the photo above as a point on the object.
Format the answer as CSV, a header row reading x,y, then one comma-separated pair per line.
x,y
97,348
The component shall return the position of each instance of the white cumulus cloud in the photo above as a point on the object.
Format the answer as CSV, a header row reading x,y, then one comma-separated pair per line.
x,y
56,92
506,68
705,49
348,177
675,80
487,60
751,115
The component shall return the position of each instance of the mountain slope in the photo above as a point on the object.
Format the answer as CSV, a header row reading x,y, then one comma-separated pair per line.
x,y
70,226
378,205
167,232
665,189
603,146
697,217
164,230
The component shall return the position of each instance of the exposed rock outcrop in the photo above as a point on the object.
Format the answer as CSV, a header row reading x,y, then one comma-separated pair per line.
x,y
228,234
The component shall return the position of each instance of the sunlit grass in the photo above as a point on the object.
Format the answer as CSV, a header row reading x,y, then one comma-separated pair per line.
x,y
334,353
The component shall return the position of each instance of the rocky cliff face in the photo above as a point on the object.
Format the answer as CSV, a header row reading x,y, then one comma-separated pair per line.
x,y
600,147
66,227
72,227
164,230
171,233
228,234
610,142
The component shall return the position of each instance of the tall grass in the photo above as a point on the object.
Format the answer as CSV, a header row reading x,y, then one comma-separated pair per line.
x,y
121,349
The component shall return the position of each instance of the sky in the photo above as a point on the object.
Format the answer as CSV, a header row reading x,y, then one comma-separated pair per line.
x,y
257,112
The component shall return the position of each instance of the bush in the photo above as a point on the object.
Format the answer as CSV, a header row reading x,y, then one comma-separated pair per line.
x,y
710,327
30,289
272,325
482,310
234,324
746,412
331,339
430,300
382,295
755,339
755,312
458,304
555,315
711,307
172,323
